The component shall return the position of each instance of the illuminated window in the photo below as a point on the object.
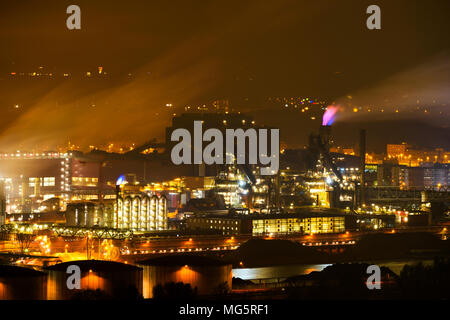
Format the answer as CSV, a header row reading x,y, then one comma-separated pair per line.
x,y
84,181
49,181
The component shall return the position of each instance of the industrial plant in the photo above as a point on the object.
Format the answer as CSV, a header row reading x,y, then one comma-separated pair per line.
x,y
209,158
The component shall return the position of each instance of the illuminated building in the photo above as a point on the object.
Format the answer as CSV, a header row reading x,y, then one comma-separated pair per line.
x,y
436,176
392,174
221,106
294,223
427,176
90,214
406,155
139,210
31,178
318,191
394,150
229,190
304,221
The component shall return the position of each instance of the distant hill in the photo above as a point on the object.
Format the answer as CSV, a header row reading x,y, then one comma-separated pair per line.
x,y
260,253
398,245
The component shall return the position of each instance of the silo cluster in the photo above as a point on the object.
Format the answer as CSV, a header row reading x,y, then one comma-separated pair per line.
x,y
20,283
99,279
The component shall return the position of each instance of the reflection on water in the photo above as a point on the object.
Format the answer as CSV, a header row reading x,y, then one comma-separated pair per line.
x,y
277,271
295,270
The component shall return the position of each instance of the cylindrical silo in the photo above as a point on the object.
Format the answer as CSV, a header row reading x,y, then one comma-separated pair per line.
x,y
114,280
20,283
208,275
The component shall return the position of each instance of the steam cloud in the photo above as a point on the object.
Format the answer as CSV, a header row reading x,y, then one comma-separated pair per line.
x,y
406,94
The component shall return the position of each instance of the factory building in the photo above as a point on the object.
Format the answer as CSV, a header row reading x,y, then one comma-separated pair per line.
x,y
141,212
91,214
220,224
133,209
301,221
139,209
286,224
436,176
31,179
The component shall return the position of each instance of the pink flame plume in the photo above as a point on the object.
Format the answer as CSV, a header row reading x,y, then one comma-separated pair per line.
x,y
329,115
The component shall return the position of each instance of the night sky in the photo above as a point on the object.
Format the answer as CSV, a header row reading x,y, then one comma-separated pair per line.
x,y
186,52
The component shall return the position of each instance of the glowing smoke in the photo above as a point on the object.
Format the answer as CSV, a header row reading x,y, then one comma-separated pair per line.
x,y
421,93
134,109
329,115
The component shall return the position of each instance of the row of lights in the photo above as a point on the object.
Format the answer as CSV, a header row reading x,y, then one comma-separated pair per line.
x,y
36,155
328,243
183,250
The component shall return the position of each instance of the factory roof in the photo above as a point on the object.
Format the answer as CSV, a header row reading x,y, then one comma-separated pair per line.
x,y
182,260
306,212
95,265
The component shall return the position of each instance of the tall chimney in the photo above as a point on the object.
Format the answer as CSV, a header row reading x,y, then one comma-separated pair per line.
x,y
325,136
362,165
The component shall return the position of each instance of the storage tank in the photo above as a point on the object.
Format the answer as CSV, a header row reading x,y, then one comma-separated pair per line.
x,y
208,275
20,283
114,280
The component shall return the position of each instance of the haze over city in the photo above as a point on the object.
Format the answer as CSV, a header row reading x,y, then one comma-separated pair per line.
x,y
191,54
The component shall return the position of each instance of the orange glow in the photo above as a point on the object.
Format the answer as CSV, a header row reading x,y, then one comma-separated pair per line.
x,y
230,240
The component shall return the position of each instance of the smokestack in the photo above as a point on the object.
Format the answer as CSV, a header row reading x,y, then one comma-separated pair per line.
x,y
325,135
362,166
2,203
